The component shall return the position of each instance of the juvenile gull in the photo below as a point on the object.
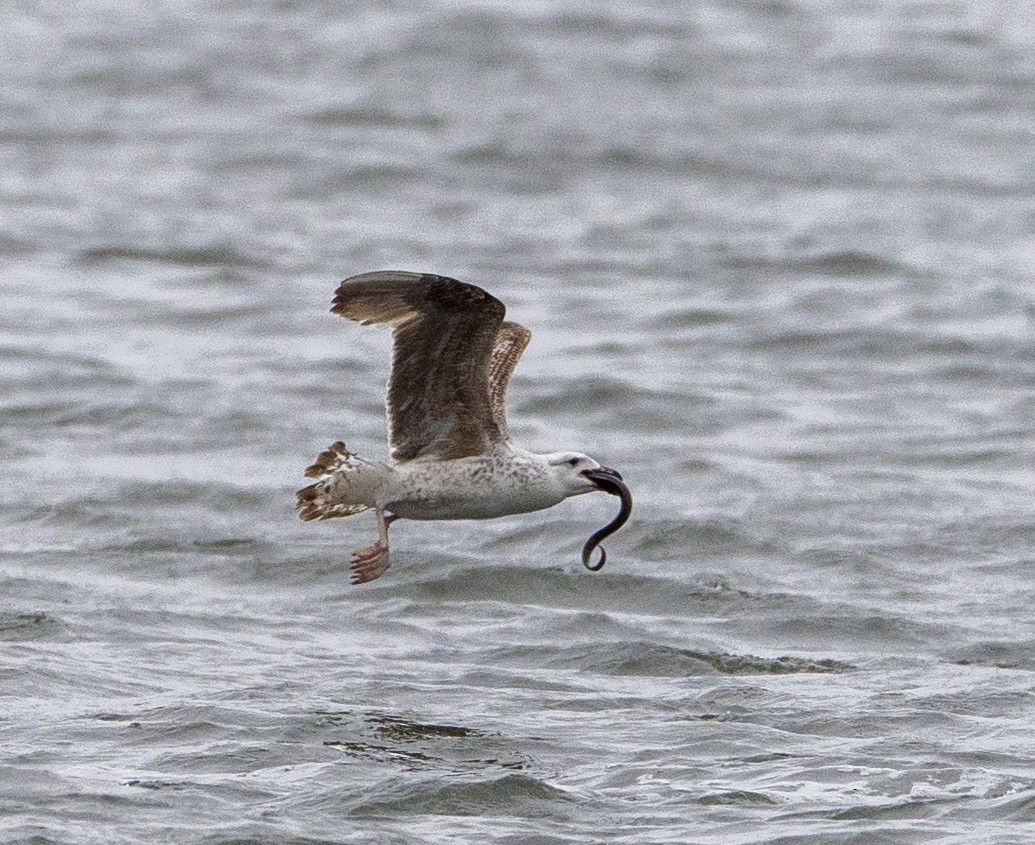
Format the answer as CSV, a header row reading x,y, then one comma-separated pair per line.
x,y
451,457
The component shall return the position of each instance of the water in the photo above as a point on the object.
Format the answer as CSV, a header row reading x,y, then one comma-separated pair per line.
x,y
777,260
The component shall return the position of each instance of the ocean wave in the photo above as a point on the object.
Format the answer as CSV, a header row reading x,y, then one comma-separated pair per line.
x,y
509,795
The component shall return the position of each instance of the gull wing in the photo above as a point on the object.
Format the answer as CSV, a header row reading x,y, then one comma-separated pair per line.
x,y
444,334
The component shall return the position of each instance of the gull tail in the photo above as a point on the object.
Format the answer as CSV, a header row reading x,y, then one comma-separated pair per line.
x,y
347,484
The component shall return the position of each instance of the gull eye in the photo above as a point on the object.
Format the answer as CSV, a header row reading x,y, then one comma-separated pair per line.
x,y
573,462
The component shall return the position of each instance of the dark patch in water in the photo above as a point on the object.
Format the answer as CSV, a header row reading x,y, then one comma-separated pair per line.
x,y
654,660
416,746
394,727
998,653
157,784
21,627
190,256
372,117
736,797
849,262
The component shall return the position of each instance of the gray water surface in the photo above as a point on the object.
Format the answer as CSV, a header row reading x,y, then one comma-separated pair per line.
x,y
777,258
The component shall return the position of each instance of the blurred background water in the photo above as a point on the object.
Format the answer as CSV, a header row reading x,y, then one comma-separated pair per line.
x,y
776,256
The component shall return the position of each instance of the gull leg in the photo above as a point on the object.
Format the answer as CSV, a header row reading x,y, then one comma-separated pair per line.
x,y
371,562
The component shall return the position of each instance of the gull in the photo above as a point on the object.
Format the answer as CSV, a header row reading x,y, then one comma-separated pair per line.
x,y
451,456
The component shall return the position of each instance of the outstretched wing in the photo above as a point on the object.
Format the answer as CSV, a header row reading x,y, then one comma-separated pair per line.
x,y
511,341
444,332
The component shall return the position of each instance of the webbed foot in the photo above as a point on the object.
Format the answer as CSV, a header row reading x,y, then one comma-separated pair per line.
x,y
369,563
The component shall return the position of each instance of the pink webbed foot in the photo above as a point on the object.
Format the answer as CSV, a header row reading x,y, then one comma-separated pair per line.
x,y
369,563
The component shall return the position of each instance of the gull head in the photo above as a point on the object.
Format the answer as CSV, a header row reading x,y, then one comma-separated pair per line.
x,y
575,473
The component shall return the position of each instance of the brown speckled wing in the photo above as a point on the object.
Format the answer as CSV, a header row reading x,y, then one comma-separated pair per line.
x,y
510,343
444,332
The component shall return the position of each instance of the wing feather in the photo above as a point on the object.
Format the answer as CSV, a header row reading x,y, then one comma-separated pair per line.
x,y
444,332
511,341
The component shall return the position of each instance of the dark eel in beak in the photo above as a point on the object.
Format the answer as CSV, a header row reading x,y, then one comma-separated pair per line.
x,y
610,481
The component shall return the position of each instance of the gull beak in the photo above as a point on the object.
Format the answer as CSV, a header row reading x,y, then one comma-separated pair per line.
x,y
606,479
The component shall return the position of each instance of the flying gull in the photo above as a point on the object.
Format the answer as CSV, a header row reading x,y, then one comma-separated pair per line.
x,y
451,456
